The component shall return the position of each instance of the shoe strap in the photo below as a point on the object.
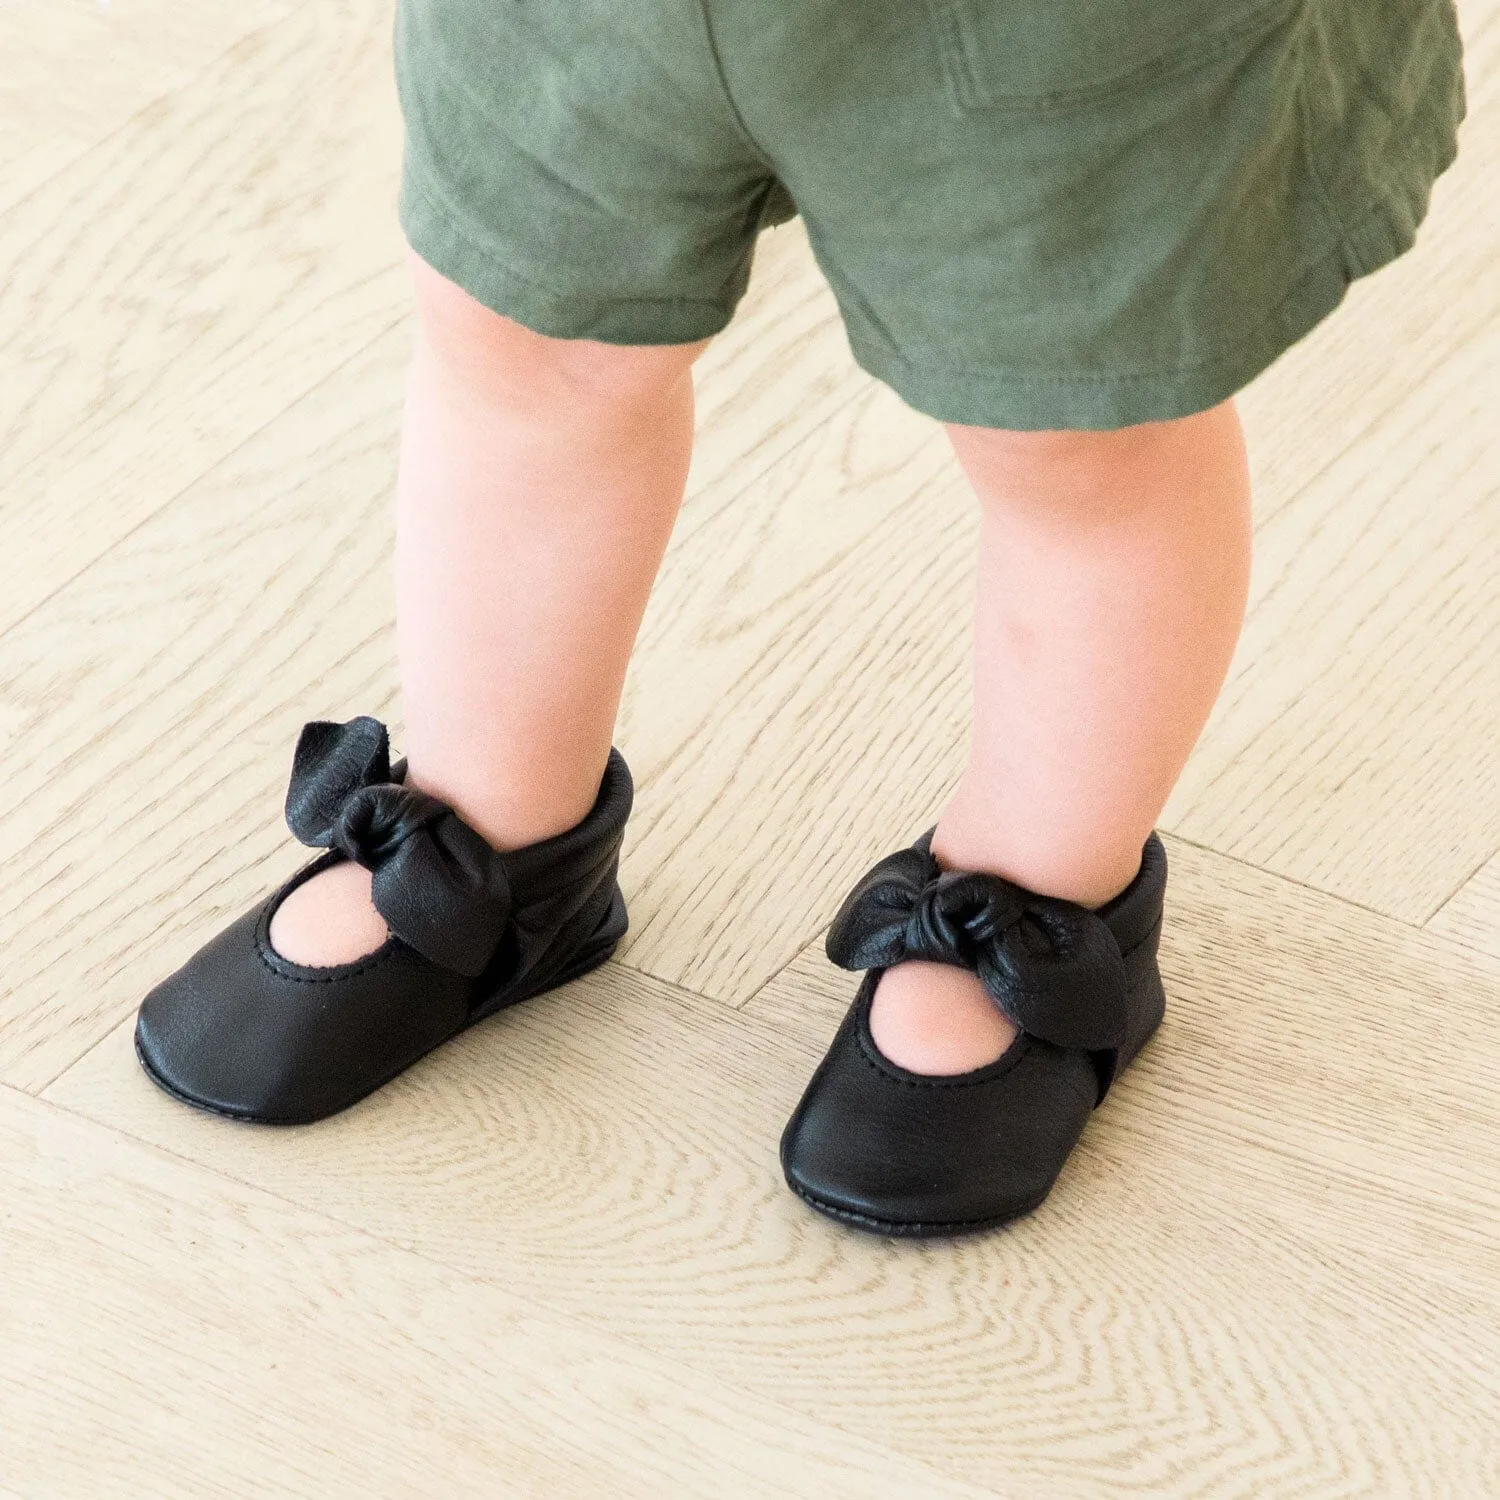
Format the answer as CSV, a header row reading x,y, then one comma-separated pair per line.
x,y
1052,966
439,884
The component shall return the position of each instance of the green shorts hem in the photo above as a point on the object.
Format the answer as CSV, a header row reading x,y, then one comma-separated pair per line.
x,y
1103,400
1017,400
457,252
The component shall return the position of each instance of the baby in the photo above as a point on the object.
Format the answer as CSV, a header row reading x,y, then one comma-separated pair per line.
x,y
1069,232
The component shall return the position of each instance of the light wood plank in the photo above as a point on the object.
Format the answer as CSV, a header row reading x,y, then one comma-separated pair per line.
x,y
260,265
78,69
146,712
169,1333
1328,424
1272,1268
740,698
188,278
1308,1020
1356,746
1471,916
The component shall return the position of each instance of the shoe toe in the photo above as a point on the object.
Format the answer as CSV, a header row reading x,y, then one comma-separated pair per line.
x,y
906,1154
185,1048
241,1032
189,1035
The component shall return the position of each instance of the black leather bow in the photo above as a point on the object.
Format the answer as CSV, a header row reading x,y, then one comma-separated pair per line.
x,y
1052,966
438,884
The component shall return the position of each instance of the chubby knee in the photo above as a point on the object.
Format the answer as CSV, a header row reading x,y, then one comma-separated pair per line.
x,y
507,361
1093,471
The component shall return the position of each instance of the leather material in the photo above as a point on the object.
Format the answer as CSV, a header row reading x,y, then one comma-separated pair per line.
x,y
906,1153
440,887
1050,965
244,1032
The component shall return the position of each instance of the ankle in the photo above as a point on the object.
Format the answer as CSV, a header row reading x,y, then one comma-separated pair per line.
x,y
511,809
1089,871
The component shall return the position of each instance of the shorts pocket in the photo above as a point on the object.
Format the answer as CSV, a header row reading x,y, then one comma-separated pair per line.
x,y
1034,57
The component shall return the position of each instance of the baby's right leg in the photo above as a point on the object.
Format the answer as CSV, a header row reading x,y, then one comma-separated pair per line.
x,y
539,480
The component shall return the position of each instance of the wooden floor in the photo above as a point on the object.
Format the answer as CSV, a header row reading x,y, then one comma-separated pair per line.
x,y
557,1259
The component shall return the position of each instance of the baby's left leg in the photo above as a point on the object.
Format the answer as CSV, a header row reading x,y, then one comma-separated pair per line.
x,y
1113,572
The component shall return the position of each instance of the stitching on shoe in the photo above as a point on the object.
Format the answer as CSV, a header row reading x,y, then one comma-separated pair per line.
x,y
1021,1047
270,959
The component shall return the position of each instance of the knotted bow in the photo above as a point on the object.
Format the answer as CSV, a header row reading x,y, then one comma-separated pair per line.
x,y
1052,966
437,883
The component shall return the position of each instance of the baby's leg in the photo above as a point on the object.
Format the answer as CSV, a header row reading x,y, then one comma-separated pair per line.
x,y
1113,572
539,479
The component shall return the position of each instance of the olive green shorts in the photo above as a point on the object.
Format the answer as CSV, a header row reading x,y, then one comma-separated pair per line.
x,y
1033,213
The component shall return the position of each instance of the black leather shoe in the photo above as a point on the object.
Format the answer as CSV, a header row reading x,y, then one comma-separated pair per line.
x,y
906,1153
244,1032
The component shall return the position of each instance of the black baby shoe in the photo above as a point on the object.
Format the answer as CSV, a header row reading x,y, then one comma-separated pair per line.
x,y
907,1153
242,1031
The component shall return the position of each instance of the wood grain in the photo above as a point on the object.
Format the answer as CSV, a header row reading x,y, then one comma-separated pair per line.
x,y
1398,327
1272,1268
217,257
1356,745
764,774
171,1334
78,69
741,693
146,712
1472,915
179,285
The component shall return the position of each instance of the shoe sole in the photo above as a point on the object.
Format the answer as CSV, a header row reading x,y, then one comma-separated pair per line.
x,y
915,1229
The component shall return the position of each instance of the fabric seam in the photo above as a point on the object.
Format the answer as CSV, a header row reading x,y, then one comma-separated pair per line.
x,y
420,183
1332,255
716,56
1173,63
1352,260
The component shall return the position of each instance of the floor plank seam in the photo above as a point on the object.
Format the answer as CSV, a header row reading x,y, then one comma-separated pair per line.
x,y
683,994
561,1259
686,995
812,941
40,1092
770,979
1305,885
188,485
259,1189
1458,890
